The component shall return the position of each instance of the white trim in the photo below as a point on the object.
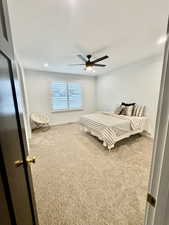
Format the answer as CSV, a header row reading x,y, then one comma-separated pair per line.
x,y
24,98
159,182
66,110
63,123
148,135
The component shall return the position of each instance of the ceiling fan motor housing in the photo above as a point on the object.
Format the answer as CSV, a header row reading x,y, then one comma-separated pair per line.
x,y
89,57
88,63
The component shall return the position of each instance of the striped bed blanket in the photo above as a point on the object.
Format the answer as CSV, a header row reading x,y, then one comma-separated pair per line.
x,y
110,127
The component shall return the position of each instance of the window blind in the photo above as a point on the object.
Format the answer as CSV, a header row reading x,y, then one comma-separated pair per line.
x,y
59,96
66,96
74,96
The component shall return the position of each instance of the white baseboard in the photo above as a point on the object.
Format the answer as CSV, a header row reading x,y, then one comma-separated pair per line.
x,y
62,123
146,134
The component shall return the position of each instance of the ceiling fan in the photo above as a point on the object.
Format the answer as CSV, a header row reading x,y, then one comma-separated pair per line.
x,y
90,64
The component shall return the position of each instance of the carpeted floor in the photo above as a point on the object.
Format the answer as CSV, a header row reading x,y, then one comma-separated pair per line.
x,y
78,182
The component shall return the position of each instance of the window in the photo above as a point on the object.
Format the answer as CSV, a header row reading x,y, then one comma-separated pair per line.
x,y
66,96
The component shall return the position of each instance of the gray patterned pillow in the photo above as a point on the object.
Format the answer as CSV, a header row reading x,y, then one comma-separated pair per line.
x,y
127,110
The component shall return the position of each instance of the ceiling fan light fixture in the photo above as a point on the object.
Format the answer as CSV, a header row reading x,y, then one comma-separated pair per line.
x,y
89,68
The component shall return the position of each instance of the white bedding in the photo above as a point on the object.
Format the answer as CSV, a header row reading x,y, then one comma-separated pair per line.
x,y
111,128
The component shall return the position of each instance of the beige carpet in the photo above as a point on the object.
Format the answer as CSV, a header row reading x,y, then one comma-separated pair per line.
x,y
78,182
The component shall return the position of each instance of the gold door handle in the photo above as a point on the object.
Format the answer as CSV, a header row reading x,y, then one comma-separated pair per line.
x,y
31,160
18,163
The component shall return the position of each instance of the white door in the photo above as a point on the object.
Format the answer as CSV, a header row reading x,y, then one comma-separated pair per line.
x,y
159,175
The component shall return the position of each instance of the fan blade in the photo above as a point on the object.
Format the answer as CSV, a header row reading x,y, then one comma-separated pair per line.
x,y
82,58
99,65
100,59
76,64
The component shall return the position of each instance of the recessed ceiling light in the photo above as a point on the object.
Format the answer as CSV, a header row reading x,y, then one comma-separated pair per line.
x,y
45,64
162,40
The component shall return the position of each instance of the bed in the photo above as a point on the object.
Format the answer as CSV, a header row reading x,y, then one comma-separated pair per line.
x,y
111,128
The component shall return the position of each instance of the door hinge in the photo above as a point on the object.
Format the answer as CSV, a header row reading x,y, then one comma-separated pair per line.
x,y
151,199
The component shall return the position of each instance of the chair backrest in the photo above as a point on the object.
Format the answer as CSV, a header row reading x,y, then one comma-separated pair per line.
x,y
39,117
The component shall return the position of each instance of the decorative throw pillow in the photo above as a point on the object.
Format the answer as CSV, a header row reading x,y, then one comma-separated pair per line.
x,y
118,110
138,110
135,110
141,112
123,110
127,109
128,104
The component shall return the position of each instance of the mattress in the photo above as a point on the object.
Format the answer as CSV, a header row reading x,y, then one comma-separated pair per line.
x,y
108,120
111,128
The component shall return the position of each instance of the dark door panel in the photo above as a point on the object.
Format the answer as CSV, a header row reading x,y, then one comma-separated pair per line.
x,y
11,147
4,212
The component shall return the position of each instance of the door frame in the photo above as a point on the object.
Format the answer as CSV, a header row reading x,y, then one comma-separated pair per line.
x,y
24,143
158,184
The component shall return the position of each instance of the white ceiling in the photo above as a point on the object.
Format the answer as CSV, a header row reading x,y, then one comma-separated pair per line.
x,y
55,31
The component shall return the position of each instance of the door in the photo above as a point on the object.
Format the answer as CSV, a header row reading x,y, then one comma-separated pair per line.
x,y
4,213
159,181
16,182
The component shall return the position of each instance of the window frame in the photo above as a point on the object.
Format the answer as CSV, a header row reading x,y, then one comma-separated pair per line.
x,y
68,109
